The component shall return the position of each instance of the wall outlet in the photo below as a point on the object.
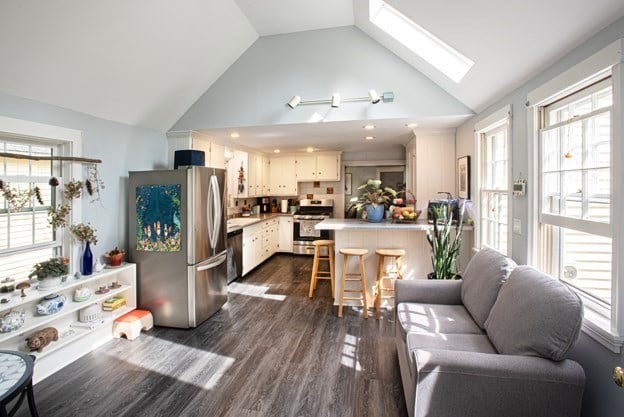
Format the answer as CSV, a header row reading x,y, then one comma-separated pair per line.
x,y
517,226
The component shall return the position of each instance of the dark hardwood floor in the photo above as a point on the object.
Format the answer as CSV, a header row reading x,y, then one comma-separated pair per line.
x,y
271,351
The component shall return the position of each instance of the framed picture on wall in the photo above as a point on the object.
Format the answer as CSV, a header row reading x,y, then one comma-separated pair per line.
x,y
348,183
463,177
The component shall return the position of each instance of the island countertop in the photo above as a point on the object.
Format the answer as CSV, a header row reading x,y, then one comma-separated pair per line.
x,y
359,224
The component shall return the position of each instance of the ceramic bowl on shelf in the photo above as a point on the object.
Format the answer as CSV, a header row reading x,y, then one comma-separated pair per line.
x,y
82,294
12,320
51,304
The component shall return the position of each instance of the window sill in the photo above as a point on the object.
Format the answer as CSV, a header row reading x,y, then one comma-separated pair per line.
x,y
596,326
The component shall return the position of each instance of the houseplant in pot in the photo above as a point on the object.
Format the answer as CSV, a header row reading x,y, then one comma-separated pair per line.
x,y
50,273
445,244
115,257
374,198
85,233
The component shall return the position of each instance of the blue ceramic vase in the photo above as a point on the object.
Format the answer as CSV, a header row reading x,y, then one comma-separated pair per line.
x,y
375,213
87,261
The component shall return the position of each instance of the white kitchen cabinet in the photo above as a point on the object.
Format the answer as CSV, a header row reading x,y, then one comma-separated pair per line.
x,y
252,174
285,234
266,176
238,160
283,176
75,339
321,167
214,153
252,247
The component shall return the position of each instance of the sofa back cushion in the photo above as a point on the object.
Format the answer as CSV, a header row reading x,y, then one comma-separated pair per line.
x,y
535,315
483,277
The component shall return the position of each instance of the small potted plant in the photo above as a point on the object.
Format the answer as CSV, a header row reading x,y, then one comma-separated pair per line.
x,y
374,199
50,273
115,256
445,244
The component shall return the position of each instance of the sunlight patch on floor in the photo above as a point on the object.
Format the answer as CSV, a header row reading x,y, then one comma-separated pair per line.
x,y
201,368
349,353
251,290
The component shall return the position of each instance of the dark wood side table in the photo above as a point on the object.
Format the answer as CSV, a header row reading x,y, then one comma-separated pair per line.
x,y
16,372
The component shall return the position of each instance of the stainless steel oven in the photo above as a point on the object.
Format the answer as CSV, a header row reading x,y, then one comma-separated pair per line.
x,y
310,213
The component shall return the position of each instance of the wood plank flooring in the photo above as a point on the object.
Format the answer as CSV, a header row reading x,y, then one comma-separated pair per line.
x,y
271,351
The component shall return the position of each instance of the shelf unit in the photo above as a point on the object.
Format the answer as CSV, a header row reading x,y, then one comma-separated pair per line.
x,y
75,340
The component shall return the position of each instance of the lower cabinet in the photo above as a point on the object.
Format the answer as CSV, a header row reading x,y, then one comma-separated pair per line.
x,y
75,337
285,234
262,240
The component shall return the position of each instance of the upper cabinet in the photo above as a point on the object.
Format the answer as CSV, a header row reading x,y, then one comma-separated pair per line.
x,y
214,152
320,167
282,176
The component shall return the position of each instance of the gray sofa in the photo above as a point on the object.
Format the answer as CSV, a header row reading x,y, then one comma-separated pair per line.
x,y
492,344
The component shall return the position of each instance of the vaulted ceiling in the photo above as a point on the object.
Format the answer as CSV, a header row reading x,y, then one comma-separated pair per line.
x,y
145,63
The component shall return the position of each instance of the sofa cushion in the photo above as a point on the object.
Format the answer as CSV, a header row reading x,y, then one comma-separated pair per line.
x,y
535,315
483,277
449,341
434,318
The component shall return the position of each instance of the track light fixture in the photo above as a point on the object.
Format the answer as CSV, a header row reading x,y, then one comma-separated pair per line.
x,y
335,100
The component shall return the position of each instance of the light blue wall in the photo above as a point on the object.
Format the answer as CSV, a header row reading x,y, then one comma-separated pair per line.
x,y
315,64
602,397
121,148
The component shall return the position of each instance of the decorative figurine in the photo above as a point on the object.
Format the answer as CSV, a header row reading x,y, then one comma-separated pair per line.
x,y
12,320
82,294
42,339
22,286
51,304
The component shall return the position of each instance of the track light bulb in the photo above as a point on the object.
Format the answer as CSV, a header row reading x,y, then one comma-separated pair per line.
x,y
374,97
335,102
294,102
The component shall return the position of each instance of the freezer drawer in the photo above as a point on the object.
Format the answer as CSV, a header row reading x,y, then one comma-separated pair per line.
x,y
210,284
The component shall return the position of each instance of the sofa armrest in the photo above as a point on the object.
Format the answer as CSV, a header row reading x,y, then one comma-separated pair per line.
x,y
427,291
450,383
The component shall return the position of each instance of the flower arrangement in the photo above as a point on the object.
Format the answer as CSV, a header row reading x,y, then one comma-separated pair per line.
x,y
57,217
115,256
84,233
73,189
54,267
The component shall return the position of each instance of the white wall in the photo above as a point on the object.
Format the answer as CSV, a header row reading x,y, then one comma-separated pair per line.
x,y
315,64
603,397
121,148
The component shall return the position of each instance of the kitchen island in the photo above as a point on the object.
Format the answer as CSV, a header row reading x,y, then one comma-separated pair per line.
x,y
412,237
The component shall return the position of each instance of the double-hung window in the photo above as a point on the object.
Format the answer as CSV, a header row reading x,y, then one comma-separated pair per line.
x,y
493,156
577,159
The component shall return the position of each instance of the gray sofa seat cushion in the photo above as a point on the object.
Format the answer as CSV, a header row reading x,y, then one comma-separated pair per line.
x,y
450,341
483,278
434,318
535,315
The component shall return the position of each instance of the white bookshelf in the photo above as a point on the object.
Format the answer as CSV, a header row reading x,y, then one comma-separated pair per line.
x,y
75,339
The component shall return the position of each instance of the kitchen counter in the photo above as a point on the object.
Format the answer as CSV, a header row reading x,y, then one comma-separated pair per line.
x,y
237,223
412,237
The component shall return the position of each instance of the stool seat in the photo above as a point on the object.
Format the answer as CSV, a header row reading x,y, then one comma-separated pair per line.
x,y
390,252
131,324
353,252
317,273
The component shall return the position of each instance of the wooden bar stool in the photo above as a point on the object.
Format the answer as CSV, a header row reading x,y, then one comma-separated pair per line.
x,y
318,274
362,279
382,275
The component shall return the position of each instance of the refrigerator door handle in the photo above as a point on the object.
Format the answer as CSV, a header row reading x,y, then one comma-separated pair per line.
x,y
210,214
218,260
217,215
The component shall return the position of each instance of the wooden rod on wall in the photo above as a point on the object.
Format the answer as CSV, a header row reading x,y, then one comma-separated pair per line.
x,y
51,158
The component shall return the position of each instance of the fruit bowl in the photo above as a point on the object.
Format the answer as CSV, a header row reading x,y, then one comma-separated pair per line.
x,y
412,217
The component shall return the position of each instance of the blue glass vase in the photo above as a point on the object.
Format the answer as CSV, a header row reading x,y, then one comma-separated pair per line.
x,y
87,261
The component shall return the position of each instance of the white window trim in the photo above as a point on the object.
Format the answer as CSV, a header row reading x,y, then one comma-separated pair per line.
x,y
607,330
27,130
498,118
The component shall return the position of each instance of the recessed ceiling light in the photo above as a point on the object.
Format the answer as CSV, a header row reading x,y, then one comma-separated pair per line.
x,y
369,137
276,151
234,135
369,127
412,125
310,149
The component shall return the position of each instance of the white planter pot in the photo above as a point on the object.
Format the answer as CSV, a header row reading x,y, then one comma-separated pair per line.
x,y
50,282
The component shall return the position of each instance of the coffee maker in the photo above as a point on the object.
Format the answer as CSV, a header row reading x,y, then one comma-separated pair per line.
x,y
265,204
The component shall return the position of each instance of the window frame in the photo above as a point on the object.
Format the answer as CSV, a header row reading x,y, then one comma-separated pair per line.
x,y
500,119
70,141
605,325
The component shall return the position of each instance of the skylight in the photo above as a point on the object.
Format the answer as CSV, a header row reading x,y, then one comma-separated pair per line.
x,y
433,50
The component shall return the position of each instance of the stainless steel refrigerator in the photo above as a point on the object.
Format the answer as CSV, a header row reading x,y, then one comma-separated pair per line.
x,y
177,238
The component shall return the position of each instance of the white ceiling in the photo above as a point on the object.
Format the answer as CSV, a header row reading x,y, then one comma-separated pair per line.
x,y
145,64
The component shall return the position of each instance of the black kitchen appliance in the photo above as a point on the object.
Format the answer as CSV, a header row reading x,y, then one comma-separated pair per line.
x,y
264,203
444,202
310,213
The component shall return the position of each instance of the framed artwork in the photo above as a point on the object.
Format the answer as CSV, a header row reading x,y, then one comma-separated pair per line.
x,y
158,218
463,177
348,183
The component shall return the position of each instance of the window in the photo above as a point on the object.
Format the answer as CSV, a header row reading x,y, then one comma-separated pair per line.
x,y
577,165
25,234
575,233
493,182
